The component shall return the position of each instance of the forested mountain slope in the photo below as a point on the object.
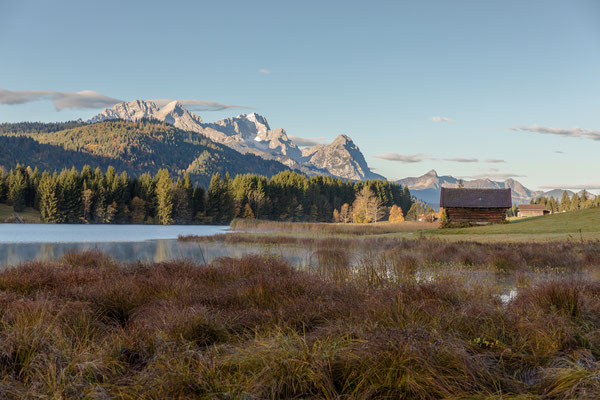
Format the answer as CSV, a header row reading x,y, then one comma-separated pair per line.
x,y
135,147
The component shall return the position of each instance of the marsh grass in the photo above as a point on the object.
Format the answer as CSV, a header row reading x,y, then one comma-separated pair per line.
x,y
330,228
85,326
416,254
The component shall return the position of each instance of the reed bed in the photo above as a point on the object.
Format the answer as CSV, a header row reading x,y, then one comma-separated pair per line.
x,y
565,256
331,228
85,326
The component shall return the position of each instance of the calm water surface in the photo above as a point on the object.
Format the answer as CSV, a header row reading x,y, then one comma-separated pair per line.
x,y
49,233
25,242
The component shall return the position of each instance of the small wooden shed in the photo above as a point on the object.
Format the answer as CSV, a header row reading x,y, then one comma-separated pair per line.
x,y
475,206
532,210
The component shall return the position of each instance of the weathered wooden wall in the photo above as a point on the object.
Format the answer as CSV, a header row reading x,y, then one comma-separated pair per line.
x,y
530,213
475,215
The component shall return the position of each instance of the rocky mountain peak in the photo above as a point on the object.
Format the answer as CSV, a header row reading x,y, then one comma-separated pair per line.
x,y
342,158
174,113
131,111
251,133
342,140
427,187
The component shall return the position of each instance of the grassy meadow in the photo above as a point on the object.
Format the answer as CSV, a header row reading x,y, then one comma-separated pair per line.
x,y
573,225
29,215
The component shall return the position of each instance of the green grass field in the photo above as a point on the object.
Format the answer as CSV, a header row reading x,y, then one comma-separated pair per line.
x,y
29,215
575,225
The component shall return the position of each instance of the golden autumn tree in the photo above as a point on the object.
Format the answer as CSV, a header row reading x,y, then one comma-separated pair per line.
x,y
396,214
367,207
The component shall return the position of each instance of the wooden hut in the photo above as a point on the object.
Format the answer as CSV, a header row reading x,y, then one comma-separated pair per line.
x,y
475,206
532,210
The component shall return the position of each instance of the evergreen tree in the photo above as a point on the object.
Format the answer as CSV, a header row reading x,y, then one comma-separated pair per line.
x,y
181,206
248,214
49,209
575,202
213,201
70,197
164,196
17,188
198,201
565,202
138,210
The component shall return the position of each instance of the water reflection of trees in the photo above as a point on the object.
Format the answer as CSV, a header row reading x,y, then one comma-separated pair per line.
x,y
151,251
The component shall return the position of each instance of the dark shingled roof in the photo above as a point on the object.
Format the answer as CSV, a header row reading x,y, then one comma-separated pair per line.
x,y
531,207
475,198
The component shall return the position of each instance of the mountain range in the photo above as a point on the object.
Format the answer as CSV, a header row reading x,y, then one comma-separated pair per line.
x,y
251,134
428,187
139,136
132,147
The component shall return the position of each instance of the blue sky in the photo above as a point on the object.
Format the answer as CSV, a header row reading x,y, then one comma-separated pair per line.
x,y
378,71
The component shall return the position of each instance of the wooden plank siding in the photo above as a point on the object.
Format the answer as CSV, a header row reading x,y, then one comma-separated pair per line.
x,y
459,215
532,213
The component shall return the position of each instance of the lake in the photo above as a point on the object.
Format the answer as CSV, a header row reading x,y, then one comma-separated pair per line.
x,y
153,243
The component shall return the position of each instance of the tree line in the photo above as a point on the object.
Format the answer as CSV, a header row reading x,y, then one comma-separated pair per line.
x,y
568,203
565,203
96,196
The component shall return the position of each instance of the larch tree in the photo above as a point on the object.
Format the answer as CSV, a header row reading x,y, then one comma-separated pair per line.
x,y
345,214
396,214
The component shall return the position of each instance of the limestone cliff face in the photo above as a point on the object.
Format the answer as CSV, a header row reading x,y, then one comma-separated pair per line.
x,y
341,158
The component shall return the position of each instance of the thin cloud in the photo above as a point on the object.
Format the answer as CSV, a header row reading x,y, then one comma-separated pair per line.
x,y
61,100
200,105
93,99
264,71
403,158
458,159
494,161
415,158
307,142
590,186
559,152
495,176
441,119
569,132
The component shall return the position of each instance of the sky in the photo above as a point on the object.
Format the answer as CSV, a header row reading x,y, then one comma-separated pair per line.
x,y
470,88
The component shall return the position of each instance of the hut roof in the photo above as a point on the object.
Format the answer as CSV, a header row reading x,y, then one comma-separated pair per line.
x,y
531,207
475,198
